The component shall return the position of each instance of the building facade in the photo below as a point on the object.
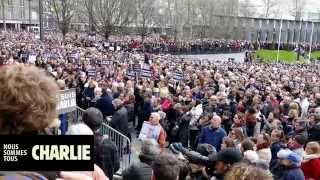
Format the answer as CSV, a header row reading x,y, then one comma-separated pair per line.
x,y
19,14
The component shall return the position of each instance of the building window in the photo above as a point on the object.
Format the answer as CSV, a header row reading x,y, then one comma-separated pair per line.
x,y
21,3
10,9
22,10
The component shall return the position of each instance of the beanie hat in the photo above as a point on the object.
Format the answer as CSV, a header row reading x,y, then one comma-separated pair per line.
x,y
228,156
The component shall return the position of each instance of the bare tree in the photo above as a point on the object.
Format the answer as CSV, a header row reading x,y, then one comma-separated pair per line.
x,y
297,9
107,15
63,11
204,12
269,6
247,9
145,15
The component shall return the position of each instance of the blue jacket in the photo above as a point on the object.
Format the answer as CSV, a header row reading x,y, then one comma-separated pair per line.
x,y
104,104
275,148
212,136
293,173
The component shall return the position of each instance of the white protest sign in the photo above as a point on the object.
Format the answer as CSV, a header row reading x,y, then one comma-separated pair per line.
x,y
32,59
149,131
67,101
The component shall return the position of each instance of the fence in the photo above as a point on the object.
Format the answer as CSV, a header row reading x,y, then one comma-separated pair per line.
x,y
122,142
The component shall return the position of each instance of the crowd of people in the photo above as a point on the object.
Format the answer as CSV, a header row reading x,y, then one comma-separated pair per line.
x,y
217,120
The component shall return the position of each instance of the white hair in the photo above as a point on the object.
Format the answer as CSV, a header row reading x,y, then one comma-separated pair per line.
x,y
251,156
156,115
79,129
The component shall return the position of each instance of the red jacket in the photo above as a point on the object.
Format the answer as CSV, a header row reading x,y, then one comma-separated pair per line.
x,y
311,167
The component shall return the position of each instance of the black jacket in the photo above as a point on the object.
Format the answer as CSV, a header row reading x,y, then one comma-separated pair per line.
x,y
314,133
119,121
106,155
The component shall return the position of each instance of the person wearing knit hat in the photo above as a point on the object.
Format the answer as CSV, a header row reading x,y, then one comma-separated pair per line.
x,y
291,162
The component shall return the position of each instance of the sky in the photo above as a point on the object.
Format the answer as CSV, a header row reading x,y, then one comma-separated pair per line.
x,y
286,5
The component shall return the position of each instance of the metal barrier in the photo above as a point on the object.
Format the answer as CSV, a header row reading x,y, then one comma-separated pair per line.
x,y
122,142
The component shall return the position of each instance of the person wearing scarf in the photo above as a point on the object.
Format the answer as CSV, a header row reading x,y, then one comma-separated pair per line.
x,y
311,161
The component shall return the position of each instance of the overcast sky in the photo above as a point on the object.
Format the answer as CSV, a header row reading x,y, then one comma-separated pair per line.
x,y
286,5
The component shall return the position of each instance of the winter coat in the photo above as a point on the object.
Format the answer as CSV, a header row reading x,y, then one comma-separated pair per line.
x,y
146,110
106,155
292,173
183,129
275,148
104,104
264,156
212,136
311,166
314,133
130,108
88,93
138,171
120,122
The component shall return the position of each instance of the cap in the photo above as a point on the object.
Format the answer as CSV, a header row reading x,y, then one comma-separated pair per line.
x,y
93,117
289,155
228,156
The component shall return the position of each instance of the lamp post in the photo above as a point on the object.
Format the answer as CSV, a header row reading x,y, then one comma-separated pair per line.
x,y
299,48
41,19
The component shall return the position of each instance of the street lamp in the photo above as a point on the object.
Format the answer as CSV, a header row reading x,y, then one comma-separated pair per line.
x,y
41,19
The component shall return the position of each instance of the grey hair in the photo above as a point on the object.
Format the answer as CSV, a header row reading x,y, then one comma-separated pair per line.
x,y
79,129
117,102
150,147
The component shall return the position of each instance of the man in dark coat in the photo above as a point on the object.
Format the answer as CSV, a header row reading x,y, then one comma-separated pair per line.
x,y
105,151
146,111
104,104
119,119
138,105
314,130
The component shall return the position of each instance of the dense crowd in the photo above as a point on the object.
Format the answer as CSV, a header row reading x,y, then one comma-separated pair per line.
x,y
216,120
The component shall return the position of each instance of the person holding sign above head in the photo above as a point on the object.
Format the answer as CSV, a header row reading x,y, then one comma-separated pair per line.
x,y
152,129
